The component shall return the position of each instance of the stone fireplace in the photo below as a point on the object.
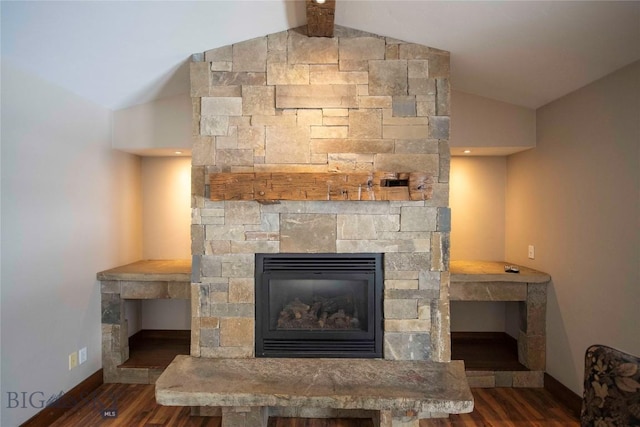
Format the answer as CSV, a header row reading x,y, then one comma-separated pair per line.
x,y
289,103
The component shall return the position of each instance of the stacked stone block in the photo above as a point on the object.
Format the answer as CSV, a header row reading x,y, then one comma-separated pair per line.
x,y
532,335
291,103
515,379
115,336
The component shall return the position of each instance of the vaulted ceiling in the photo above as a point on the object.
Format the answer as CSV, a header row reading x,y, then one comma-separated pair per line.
x,y
119,54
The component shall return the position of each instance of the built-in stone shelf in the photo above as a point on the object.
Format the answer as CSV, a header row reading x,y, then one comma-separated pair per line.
x,y
488,281
162,270
142,280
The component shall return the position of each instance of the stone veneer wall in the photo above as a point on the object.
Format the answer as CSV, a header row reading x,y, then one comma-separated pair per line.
x,y
355,102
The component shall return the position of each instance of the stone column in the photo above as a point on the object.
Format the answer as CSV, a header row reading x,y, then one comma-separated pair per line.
x,y
291,103
396,419
532,337
115,342
240,416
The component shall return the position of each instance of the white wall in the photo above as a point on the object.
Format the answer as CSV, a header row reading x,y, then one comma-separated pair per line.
x,y
70,208
576,197
166,314
166,207
159,128
478,181
156,128
490,127
166,224
477,201
477,196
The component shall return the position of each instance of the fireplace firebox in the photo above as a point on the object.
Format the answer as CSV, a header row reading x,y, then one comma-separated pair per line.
x,y
319,305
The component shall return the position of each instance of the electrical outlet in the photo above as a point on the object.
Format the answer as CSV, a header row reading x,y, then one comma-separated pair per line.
x,y
532,252
73,360
82,355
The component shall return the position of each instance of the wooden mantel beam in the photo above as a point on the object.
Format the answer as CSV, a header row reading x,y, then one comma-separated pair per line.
x,y
320,18
276,186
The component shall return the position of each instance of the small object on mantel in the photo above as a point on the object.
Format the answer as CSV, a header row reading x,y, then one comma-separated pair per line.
x,y
320,18
266,187
511,269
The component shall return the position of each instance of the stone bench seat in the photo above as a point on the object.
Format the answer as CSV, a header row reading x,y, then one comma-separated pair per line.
x,y
400,392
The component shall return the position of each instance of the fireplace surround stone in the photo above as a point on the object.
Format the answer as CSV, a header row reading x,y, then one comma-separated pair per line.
x,y
291,103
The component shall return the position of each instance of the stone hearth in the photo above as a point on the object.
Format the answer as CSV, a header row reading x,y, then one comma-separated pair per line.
x,y
246,392
290,103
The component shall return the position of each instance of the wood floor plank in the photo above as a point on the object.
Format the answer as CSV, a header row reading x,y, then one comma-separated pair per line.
x,y
518,411
493,410
497,407
486,351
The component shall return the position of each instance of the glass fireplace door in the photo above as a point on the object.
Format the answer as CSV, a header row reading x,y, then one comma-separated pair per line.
x,y
329,305
313,312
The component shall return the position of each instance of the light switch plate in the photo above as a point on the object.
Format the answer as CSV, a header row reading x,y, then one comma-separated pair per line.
x,y
73,360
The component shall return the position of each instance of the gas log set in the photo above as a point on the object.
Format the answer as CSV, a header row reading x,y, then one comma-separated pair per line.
x,y
337,312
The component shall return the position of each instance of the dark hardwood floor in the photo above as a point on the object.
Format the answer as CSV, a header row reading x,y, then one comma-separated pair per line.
x,y
315,422
486,351
135,405
493,351
156,349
